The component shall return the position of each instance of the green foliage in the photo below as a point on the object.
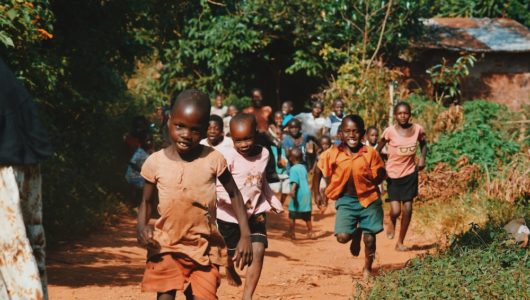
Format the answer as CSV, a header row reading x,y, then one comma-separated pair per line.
x,y
518,10
424,112
221,47
482,264
480,139
446,79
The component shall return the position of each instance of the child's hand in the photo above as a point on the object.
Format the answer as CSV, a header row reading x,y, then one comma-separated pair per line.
x,y
144,235
317,198
421,165
243,255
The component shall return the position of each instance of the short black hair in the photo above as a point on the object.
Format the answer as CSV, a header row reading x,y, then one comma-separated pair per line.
x,y
288,102
372,127
357,120
243,117
195,98
317,102
402,103
297,154
218,120
295,122
325,137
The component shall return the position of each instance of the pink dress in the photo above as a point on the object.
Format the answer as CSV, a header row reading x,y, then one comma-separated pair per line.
x,y
402,151
249,175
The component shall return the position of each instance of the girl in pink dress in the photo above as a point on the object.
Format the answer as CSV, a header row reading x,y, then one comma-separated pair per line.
x,y
402,140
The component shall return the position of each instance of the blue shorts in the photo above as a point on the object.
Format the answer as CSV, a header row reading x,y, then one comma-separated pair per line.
x,y
351,214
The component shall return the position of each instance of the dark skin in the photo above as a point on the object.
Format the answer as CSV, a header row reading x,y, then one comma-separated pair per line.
x,y
257,99
351,137
186,128
294,128
296,157
405,129
243,134
214,135
371,136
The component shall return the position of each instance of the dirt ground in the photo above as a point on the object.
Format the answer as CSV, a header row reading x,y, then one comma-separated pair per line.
x,y
110,264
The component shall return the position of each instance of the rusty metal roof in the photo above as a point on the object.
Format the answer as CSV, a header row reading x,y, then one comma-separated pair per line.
x,y
475,35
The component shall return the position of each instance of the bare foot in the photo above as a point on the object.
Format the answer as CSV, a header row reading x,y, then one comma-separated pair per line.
x,y
232,277
402,248
367,274
390,229
355,246
311,235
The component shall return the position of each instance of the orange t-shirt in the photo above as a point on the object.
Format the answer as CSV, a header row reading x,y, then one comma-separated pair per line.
x,y
187,202
262,116
341,165
402,151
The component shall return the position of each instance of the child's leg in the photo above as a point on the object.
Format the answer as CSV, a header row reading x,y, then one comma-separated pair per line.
x,y
254,270
166,295
232,277
406,216
369,252
395,210
292,227
310,233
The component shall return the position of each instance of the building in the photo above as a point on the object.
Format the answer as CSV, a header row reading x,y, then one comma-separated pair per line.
x,y
502,47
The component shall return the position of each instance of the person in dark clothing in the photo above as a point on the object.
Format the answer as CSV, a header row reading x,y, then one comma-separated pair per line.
x,y
24,144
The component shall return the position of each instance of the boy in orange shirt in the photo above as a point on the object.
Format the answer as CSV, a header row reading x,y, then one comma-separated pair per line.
x,y
183,246
355,171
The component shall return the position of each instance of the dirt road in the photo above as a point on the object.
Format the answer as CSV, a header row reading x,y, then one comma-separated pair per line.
x,y
109,264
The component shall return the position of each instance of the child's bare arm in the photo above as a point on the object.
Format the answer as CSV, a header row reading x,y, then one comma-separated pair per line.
x,y
423,157
243,254
381,145
294,187
144,232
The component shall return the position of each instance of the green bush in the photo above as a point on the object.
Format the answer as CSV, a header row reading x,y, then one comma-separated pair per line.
x,y
482,264
481,138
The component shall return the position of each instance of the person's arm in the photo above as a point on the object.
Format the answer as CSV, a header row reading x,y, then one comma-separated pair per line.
x,y
423,157
243,256
381,145
268,194
294,188
144,232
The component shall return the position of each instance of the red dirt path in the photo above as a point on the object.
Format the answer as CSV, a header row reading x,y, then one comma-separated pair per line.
x,y
109,264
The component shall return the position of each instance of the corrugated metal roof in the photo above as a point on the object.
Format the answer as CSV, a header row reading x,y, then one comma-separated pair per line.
x,y
475,35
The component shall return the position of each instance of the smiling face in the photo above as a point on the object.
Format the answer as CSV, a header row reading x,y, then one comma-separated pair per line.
x,y
402,114
294,128
243,133
338,108
186,128
214,133
351,134
257,98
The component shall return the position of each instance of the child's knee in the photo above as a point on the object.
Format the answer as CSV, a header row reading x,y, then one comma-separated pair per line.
x,y
343,238
369,239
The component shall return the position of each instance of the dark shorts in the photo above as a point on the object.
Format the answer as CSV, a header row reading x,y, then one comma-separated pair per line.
x,y
232,234
303,215
351,214
404,188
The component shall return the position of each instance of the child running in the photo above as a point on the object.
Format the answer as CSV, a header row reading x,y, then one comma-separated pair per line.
x,y
300,205
402,182
355,171
132,175
214,135
247,163
183,246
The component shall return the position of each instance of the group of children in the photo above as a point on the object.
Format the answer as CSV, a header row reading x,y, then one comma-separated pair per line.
x,y
215,187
